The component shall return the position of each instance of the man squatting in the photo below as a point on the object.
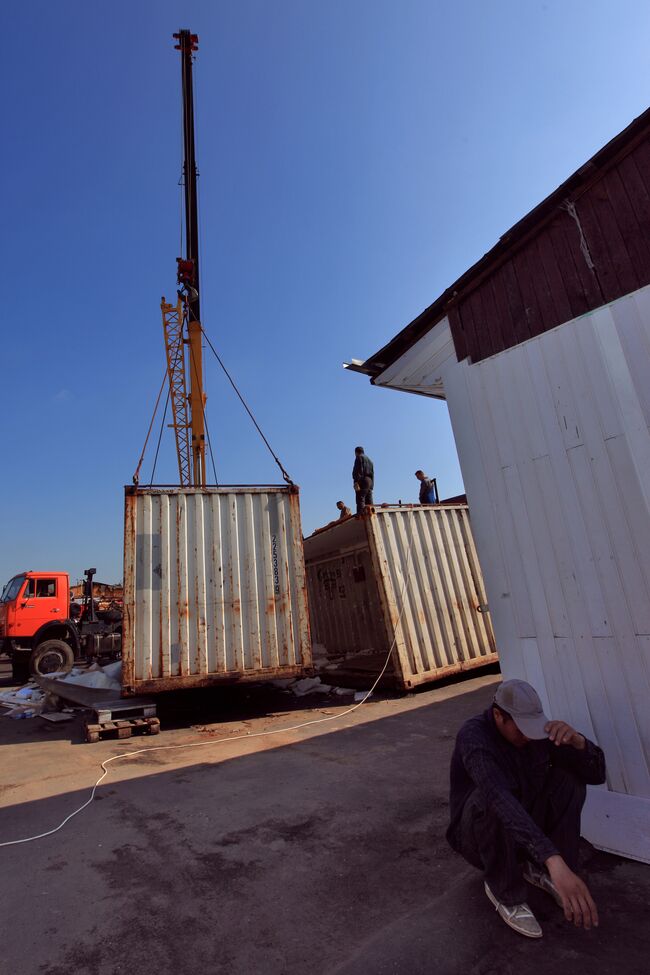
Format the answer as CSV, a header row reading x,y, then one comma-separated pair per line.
x,y
518,785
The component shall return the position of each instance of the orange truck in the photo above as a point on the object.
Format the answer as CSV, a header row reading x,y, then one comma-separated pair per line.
x,y
43,631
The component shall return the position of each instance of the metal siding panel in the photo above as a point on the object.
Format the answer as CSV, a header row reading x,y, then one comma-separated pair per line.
x,y
633,237
578,521
208,598
346,613
475,426
611,221
618,255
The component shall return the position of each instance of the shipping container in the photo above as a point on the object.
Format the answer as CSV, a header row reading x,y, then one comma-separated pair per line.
x,y
214,587
401,577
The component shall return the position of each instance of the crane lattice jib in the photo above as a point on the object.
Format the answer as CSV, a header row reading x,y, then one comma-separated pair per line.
x,y
173,327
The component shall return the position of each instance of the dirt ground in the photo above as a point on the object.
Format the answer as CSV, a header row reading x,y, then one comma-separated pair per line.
x,y
317,851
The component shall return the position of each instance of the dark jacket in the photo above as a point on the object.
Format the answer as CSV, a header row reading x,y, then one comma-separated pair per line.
x,y
363,467
427,492
508,778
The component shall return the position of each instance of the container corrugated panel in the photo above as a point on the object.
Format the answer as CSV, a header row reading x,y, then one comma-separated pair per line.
x,y
345,606
402,577
214,587
432,590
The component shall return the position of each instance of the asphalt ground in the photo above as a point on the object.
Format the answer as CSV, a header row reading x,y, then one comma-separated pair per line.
x,y
320,850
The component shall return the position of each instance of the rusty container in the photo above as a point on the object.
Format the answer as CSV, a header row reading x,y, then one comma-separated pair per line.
x,y
404,579
214,587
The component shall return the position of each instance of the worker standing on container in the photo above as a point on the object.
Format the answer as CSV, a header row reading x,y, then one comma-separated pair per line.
x,y
518,785
363,477
427,488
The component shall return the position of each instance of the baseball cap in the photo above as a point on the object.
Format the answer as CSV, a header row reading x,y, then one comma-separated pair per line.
x,y
522,703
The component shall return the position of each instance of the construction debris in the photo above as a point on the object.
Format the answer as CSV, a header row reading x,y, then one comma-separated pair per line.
x,y
300,687
26,702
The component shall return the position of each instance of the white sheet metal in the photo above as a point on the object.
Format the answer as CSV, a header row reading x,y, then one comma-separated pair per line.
x,y
554,444
214,586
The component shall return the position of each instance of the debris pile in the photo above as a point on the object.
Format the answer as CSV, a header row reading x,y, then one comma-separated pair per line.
x,y
107,678
31,700
300,687
26,702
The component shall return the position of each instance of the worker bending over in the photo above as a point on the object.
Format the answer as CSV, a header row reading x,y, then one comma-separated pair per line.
x,y
518,785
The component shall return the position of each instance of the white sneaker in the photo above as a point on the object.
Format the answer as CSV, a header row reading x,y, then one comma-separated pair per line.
x,y
520,917
540,878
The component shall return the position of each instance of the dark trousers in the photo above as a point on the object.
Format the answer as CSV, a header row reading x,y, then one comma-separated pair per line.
x,y
364,494
485,843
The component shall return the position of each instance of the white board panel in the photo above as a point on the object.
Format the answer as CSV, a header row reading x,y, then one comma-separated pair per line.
x,y
554,445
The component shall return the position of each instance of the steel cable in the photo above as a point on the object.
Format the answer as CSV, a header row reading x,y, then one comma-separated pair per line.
x,y
136,476
246,407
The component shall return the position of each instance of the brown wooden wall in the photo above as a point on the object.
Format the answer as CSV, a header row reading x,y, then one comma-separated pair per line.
x,y
548,278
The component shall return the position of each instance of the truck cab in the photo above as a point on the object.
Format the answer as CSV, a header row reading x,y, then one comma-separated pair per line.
x,y
34,613
37,629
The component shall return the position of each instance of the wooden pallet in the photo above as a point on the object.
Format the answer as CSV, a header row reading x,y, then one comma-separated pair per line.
x,y
121,728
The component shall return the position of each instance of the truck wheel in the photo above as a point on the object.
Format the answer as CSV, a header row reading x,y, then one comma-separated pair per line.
x,y
50,657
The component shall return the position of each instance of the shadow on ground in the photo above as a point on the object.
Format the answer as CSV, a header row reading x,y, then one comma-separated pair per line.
x,y
324,856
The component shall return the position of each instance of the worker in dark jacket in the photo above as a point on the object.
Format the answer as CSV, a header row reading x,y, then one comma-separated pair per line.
x,y
363,477
427,488
518,785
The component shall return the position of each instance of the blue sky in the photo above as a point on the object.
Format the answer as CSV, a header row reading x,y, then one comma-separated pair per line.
x,y
356,156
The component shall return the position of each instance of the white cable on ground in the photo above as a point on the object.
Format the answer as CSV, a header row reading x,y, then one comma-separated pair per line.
x,y
246,737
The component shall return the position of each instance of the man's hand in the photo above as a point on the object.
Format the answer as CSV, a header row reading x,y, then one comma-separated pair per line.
x,y
577,902
356,487
562,733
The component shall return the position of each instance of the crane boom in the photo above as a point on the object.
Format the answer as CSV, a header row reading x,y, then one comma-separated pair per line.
x,y
186,369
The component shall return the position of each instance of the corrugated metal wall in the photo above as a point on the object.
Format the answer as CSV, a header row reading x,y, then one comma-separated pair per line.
x,y
361,573
554,445
594,249
214,586
344,604
441,629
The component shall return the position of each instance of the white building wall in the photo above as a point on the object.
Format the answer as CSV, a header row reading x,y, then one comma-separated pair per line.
x,y
554,446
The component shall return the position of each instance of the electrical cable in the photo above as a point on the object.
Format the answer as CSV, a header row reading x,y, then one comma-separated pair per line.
x,y
257,734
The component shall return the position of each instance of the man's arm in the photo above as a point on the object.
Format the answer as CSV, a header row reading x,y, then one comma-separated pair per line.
x,y
576,753
577,902
491,781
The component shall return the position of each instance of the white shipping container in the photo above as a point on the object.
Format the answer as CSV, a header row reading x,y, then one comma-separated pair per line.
x,y
214,587
402,577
